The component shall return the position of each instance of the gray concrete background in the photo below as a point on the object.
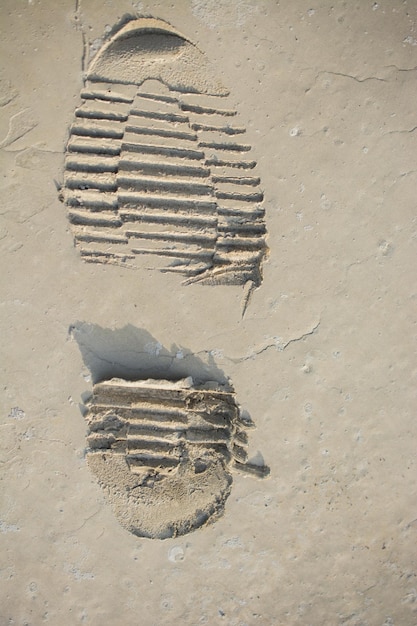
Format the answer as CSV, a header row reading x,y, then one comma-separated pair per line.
x,y
323,359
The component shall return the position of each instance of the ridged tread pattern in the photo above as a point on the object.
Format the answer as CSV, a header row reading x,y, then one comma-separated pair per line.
x,y
163,452
158,425
166,175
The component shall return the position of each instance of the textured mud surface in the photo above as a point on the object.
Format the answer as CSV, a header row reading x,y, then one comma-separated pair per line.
x,y
157,165
162,451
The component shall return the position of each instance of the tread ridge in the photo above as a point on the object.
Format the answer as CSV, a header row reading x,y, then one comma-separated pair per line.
x,y
164,167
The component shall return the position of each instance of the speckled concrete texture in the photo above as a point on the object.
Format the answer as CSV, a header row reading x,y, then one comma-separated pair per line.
x,y
322,359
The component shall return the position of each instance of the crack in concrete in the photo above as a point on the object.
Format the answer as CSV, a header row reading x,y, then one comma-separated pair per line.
x,y
75,530
84,54
358,262
275,344
358,80
80,27
20,124
84,522
399,132
403,69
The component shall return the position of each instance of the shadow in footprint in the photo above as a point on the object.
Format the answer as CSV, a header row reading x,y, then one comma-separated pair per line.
x,y
133,353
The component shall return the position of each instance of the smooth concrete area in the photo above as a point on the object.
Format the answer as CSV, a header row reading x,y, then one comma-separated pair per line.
x,y
322,359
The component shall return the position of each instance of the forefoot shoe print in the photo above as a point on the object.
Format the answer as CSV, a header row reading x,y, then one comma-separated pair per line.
x,y
157,167
163,452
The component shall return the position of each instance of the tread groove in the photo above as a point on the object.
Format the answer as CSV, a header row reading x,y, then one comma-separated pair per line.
x,y
162,169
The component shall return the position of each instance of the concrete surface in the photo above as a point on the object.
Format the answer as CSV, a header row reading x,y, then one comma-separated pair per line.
x,y
323,359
